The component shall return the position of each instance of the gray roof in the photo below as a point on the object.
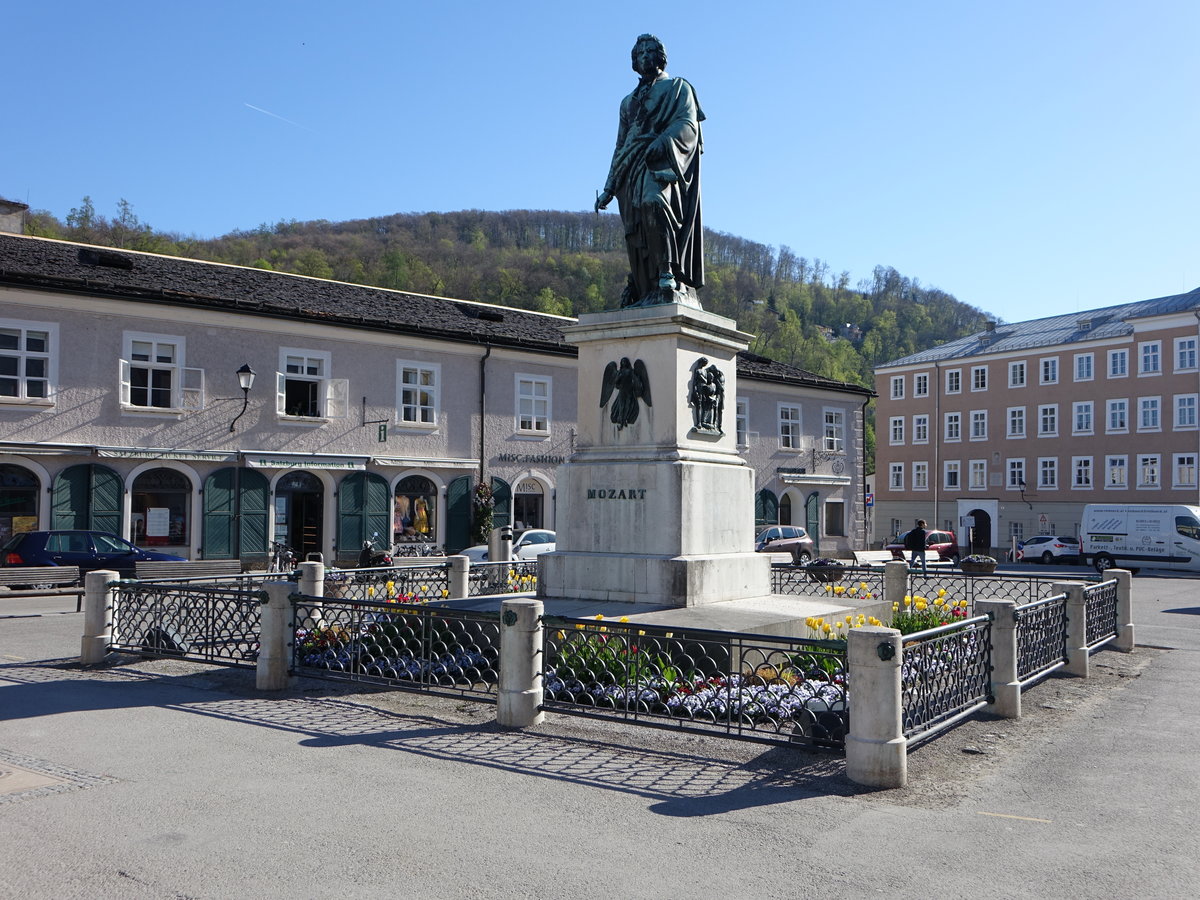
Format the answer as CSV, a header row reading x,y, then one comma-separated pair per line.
x,y
62,266
1053,331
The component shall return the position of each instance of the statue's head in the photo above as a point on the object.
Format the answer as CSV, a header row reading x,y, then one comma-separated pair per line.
x,y
660,52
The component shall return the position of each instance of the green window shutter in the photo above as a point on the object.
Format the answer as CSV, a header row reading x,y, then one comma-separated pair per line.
x,y
364,509
69,499
107,494
766,509
458,514
254,503
812,518
502,495
218,524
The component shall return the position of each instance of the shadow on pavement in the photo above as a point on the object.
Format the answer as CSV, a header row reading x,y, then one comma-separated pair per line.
x,y
684,783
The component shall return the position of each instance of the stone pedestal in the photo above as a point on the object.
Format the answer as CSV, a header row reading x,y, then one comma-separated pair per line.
x,y
660,509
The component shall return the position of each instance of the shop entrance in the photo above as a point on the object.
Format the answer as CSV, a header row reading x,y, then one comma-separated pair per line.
x,y
18,501
529,505
160,512
299,512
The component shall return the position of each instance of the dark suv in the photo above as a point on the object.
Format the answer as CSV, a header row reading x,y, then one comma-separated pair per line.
x,y
87,549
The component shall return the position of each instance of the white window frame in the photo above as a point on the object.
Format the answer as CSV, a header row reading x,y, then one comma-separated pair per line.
x,y
1015,422
1081,473
1116,472
1183,470
534,411
1111,406
333,394
896,431
955,419
1186,407
1149,471
187,384
1048,370
896,476
977,467
979,416
788,415
1047,473
1149,414
979,378
1186,354
897,387
1018,373
1014,471
952,467
1088,361
743,422
1118,363
921,384
1085,410
424,398
1150,358
834,429
920,475
955,376
920,429
23,356
1048,420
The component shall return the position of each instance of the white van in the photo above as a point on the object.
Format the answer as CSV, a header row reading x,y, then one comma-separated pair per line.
x,y
1129,536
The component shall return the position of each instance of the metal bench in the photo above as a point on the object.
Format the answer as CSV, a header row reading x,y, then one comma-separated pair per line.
x,y
42,581
151,570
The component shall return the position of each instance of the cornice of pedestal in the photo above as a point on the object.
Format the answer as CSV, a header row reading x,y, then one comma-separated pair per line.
x,y
652,321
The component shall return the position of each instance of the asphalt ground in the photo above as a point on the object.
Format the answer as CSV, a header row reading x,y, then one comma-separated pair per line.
x,y
168,779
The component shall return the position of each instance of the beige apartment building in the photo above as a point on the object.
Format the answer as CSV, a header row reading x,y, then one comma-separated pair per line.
x,y
1010,432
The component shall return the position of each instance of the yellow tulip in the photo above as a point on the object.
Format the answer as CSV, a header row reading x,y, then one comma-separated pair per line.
x,y
599,617
840,625
941,592
827,628
371,591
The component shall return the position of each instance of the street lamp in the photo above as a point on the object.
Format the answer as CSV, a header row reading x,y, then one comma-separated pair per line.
x,y
1021,484
245,381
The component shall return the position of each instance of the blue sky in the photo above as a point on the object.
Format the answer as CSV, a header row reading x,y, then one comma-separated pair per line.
x,y
1031,158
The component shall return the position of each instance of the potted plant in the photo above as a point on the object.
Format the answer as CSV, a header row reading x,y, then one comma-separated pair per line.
x,y
825,569
978,563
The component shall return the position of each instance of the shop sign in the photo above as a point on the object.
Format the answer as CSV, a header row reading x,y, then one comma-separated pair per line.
x,y
531,459
285,461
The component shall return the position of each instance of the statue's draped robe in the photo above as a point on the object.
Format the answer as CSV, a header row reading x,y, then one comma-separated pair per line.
x,y
660,197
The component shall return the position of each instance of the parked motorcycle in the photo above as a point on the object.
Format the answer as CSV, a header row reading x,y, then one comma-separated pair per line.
x,y
372,556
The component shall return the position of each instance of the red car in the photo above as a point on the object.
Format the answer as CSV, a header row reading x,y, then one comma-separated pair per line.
x,y
941,541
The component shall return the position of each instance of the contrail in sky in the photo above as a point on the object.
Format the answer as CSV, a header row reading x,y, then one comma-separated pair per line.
x,y
267,112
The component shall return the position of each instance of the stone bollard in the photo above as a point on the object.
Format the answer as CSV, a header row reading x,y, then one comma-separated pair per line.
x,y
519,701
277,633
1077,649
1006,685
311,583
1125,641
98,600
876,750
459,569
895,582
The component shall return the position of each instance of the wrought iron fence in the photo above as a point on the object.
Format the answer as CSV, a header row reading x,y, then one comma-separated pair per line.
x,y
404,584
404,645
212,624
846,582
1101,604
246,581
1041,637
516,576
945,675
749,686
996,586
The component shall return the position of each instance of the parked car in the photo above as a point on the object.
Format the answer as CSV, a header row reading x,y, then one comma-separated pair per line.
x,y
89,550
1049,548
786,539
526,545
941,541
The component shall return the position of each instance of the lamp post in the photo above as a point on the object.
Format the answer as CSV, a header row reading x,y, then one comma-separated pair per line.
x,y
246,381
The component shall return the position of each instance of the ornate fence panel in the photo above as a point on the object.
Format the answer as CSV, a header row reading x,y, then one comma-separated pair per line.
x,y
748,686
212,624
945,675
403,584
247,581
410,646
1041,637
1101,600
848,582
516,576
996,586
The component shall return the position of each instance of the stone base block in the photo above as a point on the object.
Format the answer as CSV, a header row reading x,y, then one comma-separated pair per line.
x,y
666,581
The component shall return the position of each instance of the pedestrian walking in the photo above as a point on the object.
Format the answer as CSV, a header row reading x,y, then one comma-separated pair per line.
x,y
915,541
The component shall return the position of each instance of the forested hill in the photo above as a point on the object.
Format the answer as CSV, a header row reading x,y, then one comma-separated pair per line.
x,y
801,312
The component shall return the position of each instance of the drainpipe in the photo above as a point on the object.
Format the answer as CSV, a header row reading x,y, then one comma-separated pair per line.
x,y
862,450
935,429
482,407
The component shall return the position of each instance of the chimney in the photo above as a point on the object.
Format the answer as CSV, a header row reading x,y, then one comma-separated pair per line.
x,y
12,216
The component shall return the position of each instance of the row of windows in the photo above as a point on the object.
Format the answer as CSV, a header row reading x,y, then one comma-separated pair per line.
x,y
833,433
153,376
1149,362
1146,414
1081,475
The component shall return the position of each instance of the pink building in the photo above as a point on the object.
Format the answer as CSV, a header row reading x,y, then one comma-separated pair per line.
x,y
1008,433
